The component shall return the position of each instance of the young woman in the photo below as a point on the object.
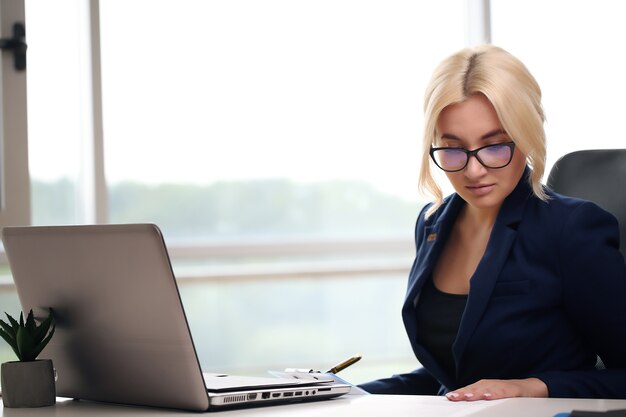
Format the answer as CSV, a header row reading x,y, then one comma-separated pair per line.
x,y
515,290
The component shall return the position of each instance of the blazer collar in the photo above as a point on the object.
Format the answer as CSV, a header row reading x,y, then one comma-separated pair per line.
x,y
512,209
438,226
436,230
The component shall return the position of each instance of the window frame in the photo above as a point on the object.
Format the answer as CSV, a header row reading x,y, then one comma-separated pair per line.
x,y
14,175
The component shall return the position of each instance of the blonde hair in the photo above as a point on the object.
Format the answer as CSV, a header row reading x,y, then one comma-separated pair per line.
x,y
512,91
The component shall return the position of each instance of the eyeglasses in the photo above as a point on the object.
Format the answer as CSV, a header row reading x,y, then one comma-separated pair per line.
x,y
493,156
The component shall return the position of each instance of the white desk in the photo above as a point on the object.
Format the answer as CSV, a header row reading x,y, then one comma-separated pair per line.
x,y
361,406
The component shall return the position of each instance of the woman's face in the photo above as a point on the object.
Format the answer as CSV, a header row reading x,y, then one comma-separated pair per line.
x,y
472,124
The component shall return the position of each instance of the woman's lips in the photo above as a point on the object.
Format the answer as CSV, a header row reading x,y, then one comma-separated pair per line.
x,y
480,189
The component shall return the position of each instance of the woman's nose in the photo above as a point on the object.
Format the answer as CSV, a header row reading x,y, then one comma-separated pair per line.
x,y
474,168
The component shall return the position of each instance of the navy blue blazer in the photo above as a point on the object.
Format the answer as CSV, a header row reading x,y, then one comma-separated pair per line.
x,y
546,300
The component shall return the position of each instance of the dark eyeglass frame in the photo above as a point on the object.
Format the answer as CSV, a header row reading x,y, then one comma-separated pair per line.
x,y
474,153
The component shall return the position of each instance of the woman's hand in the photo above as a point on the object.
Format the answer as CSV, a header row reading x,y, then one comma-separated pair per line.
x,y
493,389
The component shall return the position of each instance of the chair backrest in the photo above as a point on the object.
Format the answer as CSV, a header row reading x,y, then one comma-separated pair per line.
x,y
595,175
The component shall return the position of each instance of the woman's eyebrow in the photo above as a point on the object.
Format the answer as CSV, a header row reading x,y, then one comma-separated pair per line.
x,y
450,136
487,135
493,133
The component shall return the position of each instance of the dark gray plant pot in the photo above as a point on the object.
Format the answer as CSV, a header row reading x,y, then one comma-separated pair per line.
x,y
28,384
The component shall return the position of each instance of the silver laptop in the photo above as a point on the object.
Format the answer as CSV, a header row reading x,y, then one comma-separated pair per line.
x,y
122,335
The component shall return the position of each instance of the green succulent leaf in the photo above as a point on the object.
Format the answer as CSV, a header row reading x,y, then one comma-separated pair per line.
x,y
7,337
7,328
11,341
26,338
30,321
42,329
13,322
37,350
25,344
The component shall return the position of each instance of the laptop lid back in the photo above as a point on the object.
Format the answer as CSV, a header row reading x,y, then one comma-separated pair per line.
x,y
121,335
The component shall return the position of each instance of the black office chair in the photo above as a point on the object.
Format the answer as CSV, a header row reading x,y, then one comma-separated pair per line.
x,y
595,175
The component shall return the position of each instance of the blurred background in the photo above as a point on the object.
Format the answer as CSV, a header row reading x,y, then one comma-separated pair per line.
x,y
276,144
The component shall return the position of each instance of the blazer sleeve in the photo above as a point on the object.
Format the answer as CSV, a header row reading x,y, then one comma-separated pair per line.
x,y
594,298
418,382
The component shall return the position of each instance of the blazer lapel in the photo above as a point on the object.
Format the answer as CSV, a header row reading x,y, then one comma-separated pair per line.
x,y
486,275
435,234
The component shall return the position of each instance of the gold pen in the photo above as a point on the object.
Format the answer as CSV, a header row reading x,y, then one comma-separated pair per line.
x,y
343,365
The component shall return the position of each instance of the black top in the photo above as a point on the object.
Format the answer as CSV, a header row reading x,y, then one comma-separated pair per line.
x,y
438,319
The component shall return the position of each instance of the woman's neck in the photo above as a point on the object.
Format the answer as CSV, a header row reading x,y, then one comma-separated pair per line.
x,y
478,219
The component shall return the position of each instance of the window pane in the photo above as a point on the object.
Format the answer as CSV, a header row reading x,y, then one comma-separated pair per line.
x,y
256,118
54,109
572,49
254,326
245,119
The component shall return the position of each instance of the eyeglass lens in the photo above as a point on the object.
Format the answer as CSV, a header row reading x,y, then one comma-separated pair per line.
x,y
454,159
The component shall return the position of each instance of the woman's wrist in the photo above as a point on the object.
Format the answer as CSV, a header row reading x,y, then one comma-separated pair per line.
x,y
534,387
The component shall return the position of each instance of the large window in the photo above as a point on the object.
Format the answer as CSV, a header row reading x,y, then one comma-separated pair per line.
x,y
285,124
268,119
274,142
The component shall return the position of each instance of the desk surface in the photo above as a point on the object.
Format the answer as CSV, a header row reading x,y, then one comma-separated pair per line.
x,y
352,405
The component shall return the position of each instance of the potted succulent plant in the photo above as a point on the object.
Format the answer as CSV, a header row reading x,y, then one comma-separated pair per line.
x,y
28,382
